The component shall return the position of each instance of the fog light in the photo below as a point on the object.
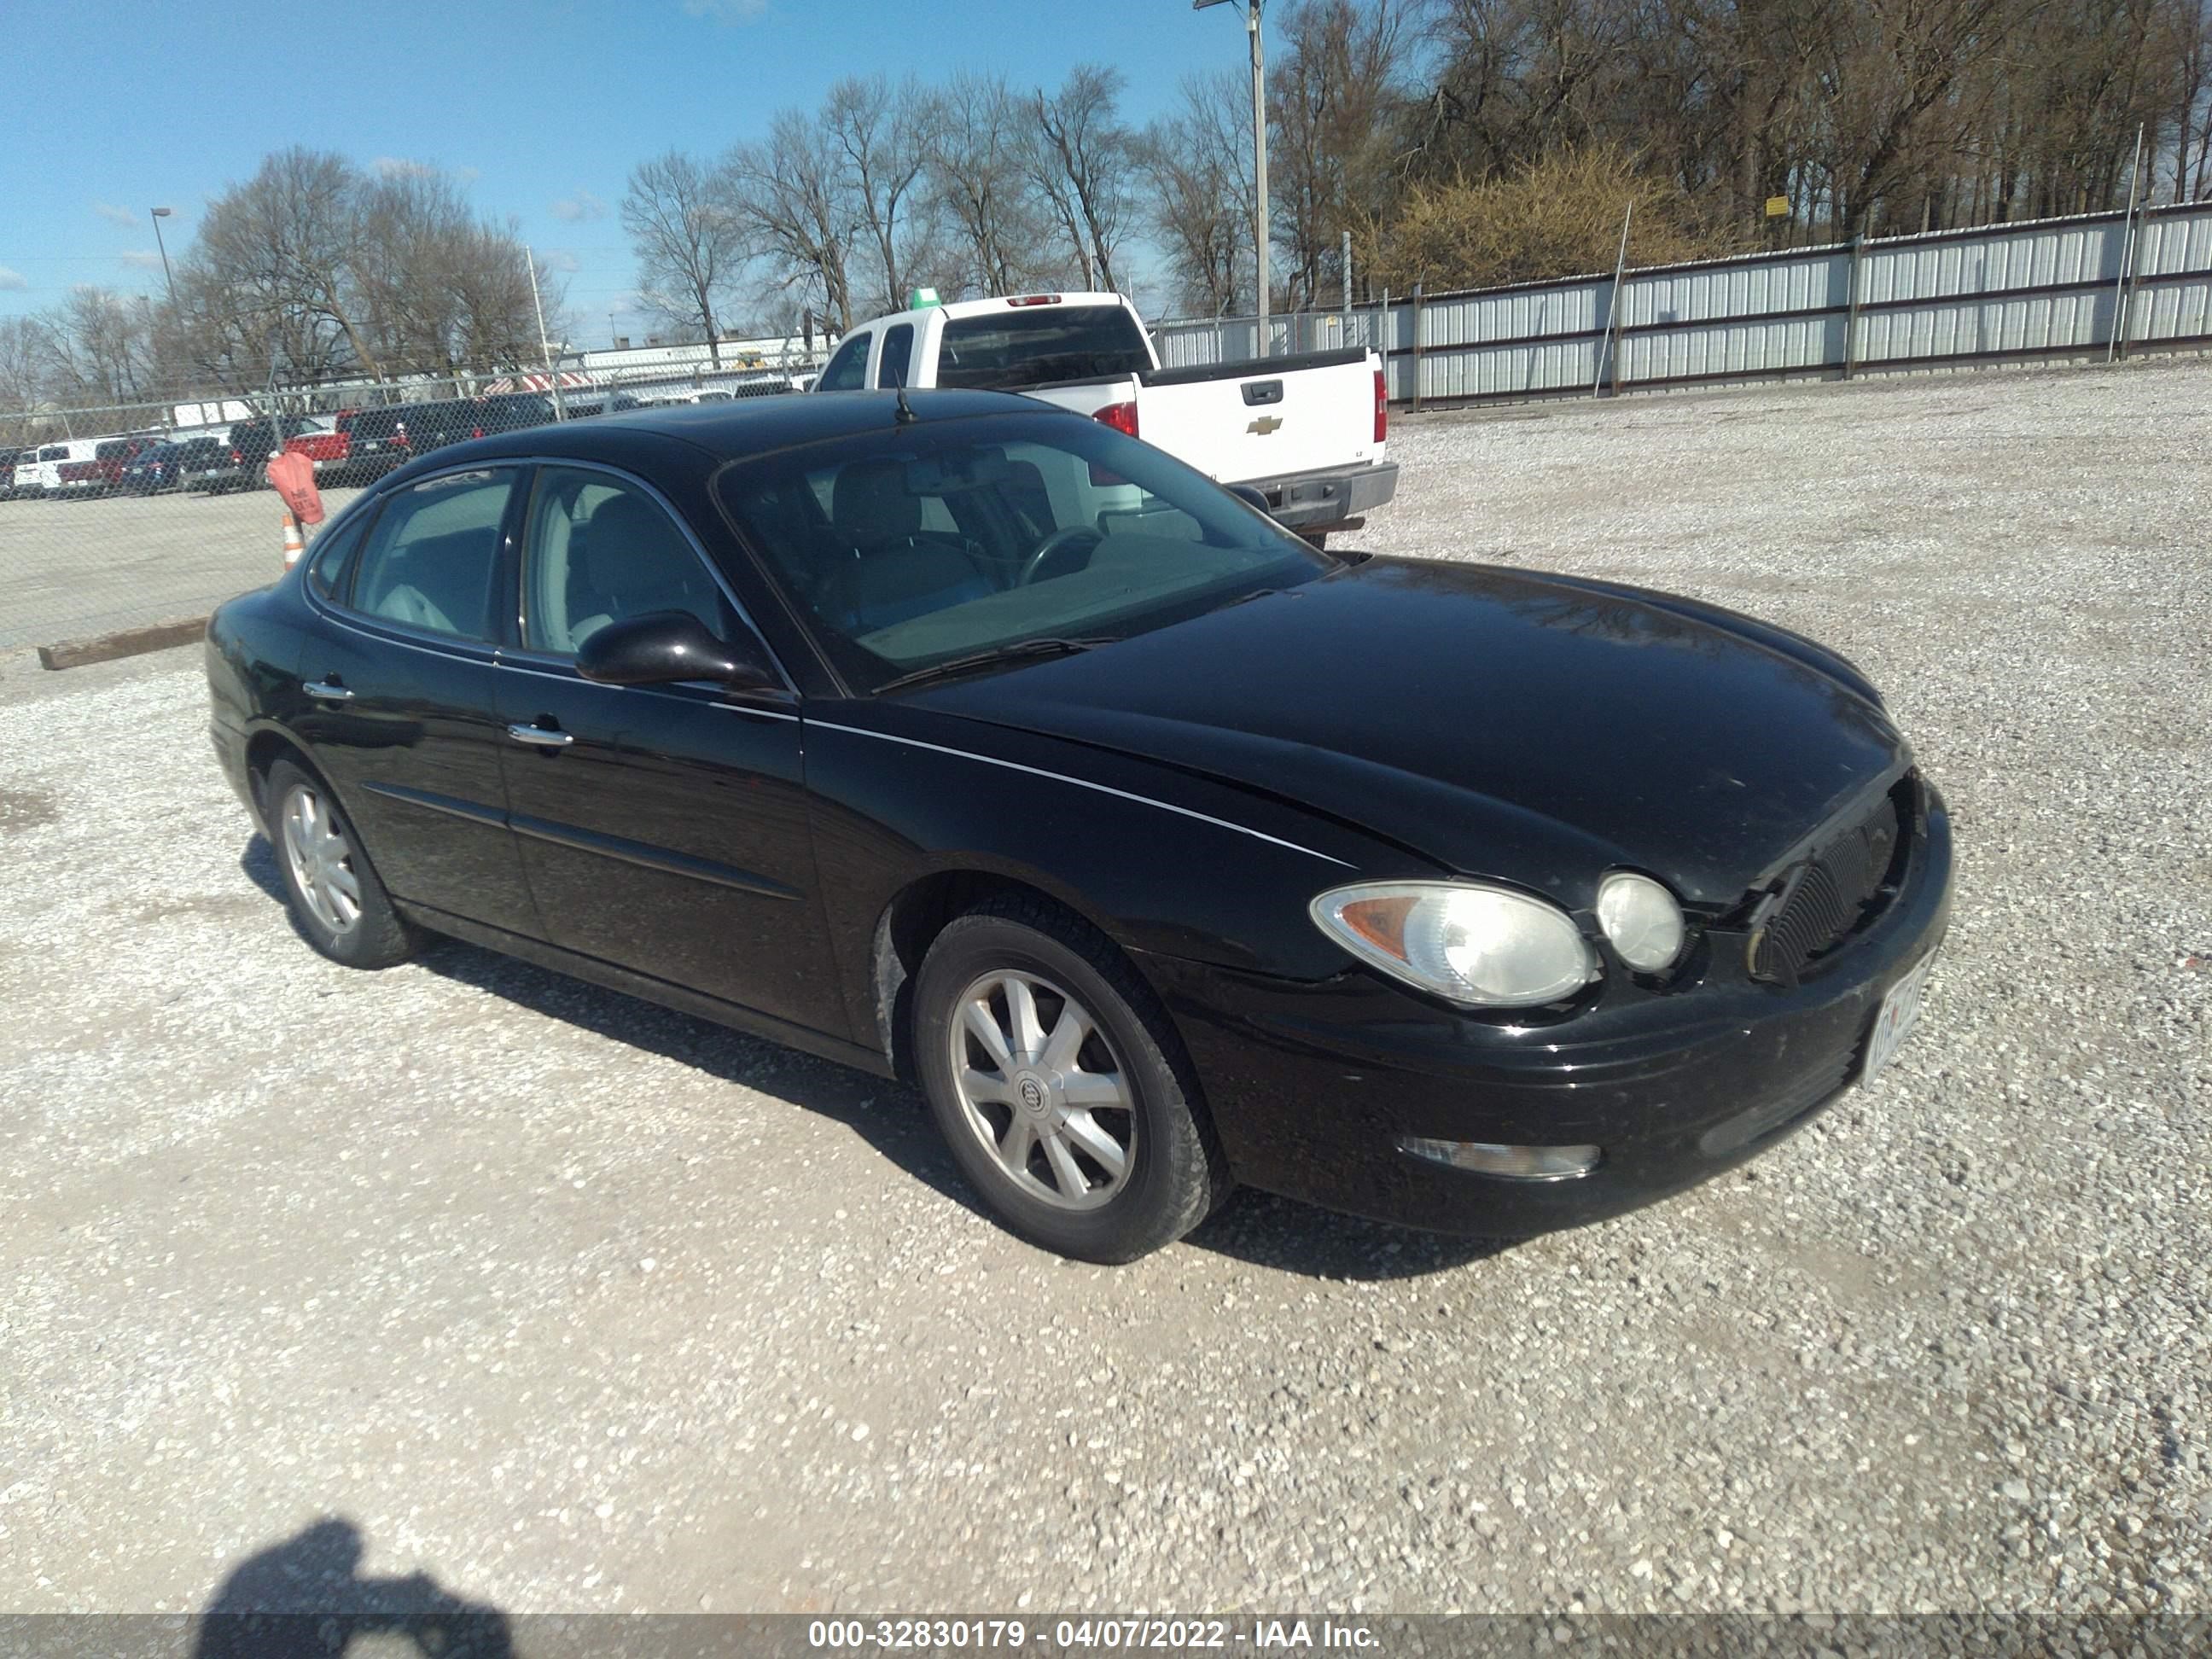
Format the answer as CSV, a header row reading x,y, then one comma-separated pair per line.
x,y
1517,1163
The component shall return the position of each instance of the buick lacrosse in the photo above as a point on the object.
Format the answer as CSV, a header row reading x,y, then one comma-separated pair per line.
x,y
971,742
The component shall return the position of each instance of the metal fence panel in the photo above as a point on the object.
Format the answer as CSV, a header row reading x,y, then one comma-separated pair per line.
x,y
1932,301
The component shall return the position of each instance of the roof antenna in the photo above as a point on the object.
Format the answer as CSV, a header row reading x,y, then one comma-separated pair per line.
x,y
905,410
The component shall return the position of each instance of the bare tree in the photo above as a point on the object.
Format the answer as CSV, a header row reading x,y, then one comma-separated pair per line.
x,y
882,136
1194,163
1080,159
977,179
689,244
786,194
1333,93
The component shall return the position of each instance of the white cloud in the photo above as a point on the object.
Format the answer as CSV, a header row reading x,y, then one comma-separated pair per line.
x,y
13,280
467,175
560,260
726,11
114,215
141,258
582,205
398,167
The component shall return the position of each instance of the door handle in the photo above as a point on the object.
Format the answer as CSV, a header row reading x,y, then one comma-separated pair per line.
x,y
329,691
541,737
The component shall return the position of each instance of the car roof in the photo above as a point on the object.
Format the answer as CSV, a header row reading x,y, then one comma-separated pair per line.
x,y
748,426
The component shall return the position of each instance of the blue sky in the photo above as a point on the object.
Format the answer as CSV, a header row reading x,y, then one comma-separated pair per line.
x,y
543,108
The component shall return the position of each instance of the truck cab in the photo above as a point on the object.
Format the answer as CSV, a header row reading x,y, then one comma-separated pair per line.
x,y
1306,433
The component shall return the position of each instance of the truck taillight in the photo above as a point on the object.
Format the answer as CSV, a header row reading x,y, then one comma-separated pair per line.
x,y
1122,417
1035,300
1382,408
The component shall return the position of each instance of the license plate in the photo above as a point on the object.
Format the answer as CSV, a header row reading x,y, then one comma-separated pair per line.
x,y
1900,1009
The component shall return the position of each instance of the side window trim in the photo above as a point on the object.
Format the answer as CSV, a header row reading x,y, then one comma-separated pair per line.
x,y
722,585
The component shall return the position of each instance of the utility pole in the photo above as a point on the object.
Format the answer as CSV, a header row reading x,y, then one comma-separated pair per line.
x,y
1259,151
161,214
559,404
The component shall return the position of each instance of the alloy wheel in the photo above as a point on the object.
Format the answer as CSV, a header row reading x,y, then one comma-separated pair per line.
x,y
1041,1088
321,861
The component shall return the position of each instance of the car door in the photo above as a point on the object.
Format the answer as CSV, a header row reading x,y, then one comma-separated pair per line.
x,y
400,692
663,828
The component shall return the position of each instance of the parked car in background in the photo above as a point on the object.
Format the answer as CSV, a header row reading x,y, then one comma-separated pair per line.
x,y
175,464
152,471
377,439
584,406
253,442
115,455
964,739
203,463
329,448
1307,433
38,472
510,412
81,475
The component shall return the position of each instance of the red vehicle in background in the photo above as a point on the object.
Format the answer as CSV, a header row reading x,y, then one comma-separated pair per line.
x,y
101,473
330,450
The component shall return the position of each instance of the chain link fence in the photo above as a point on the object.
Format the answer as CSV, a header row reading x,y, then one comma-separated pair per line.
x,y
122,516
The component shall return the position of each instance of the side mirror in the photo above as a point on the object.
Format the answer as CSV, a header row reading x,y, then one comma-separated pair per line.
x,y
1251,498
665,646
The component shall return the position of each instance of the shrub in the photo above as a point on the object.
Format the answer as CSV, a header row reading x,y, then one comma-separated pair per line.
x,y
1556,216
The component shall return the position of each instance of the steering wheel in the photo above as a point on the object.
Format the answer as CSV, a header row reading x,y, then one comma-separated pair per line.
x,y
1079,537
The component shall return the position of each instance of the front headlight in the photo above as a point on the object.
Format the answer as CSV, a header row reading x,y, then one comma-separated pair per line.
x,y
1642,920
1485,946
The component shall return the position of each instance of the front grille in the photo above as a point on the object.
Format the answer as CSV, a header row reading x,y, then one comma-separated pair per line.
x,y
1845,883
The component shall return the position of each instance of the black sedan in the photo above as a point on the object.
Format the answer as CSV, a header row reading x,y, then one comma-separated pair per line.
x,y
968,741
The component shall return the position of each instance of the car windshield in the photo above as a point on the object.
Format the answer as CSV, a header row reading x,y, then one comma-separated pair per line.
x,y
912,545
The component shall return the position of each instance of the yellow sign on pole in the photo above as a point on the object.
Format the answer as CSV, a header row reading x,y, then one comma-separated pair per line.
x,y
1778,207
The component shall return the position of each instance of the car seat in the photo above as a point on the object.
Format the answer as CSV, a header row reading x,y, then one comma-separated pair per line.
x,y
898,570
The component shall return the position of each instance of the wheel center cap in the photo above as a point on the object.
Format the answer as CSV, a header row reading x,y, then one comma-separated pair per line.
x,y
1035,1097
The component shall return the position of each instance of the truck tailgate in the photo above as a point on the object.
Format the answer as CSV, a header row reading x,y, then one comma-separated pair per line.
x,y
1268,419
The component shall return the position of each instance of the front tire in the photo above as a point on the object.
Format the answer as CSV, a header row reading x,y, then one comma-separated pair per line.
x,y
338,902
1060,1085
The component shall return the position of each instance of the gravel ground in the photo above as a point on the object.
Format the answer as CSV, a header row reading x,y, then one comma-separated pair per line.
x,y
71,570
572,1304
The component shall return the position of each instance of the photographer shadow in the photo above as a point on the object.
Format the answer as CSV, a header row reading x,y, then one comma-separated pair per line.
x,y
305,1599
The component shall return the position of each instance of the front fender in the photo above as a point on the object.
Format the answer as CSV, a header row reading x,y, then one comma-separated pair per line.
x,y
1162,863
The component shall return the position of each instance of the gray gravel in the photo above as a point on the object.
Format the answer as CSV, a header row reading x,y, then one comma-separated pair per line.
x,y
73,570
573,1303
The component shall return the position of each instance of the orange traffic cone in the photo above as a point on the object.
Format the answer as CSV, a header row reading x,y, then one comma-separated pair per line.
x,y
295,543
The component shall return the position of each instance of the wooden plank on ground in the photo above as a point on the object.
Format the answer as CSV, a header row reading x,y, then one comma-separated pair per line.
x,y
131,643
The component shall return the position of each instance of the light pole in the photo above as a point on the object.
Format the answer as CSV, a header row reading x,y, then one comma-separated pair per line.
x,y
530,264
161,214
1259,149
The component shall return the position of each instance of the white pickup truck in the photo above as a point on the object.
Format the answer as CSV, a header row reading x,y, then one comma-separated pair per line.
x,y
1306,433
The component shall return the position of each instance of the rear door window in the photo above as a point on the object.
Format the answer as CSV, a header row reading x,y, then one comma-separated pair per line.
x,y
433,561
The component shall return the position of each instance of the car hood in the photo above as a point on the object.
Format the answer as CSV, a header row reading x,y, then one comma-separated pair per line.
x,y
1532,728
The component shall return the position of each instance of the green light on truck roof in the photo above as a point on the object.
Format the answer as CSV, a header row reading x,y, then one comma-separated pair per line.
x,y
922,298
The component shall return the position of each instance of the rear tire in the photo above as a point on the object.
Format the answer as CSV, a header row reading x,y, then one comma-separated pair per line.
x,y
336,901
1060,1086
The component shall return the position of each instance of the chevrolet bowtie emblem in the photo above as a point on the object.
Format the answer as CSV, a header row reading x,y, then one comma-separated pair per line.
x,y
1265,424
